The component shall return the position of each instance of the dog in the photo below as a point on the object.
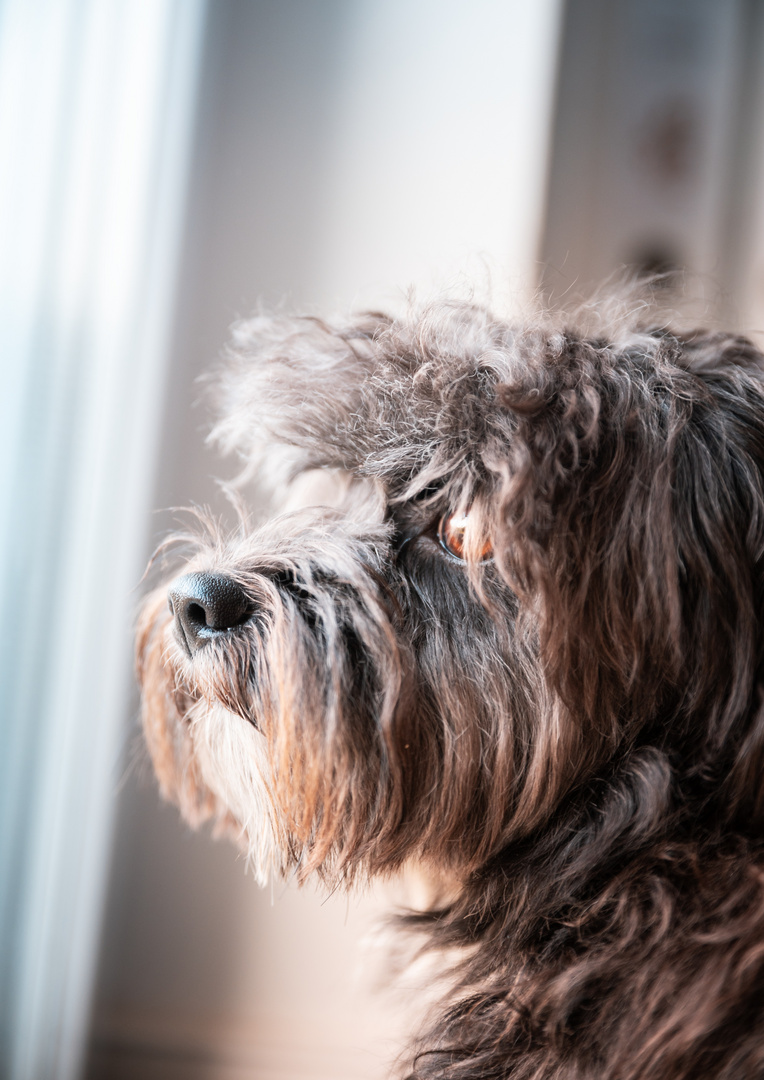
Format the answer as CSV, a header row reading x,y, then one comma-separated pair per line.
x,y
523,648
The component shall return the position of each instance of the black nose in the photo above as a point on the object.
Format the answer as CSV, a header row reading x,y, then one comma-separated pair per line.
x,y
205,606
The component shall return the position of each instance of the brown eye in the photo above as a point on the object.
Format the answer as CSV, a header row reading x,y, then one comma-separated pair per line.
x,y
452,533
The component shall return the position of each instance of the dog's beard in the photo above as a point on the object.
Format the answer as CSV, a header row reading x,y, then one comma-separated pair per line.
x,y
210,759
234,761
276,729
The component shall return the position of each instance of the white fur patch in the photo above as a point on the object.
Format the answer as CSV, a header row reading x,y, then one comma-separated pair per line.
x,y
361,499
233,758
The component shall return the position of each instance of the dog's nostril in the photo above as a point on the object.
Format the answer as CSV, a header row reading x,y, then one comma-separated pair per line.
x,y
197,613
205,605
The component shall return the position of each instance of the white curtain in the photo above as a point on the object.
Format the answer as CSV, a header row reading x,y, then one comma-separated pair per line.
x,y
96,115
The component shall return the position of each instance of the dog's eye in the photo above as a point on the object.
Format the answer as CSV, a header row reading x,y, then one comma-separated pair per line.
x,y
452,533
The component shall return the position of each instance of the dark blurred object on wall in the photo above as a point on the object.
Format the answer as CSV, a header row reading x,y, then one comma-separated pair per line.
x,y
657,145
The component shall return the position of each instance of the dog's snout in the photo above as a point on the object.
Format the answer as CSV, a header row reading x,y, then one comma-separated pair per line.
x,y
206,605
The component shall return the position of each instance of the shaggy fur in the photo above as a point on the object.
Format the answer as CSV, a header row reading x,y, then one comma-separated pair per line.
x,y
571,729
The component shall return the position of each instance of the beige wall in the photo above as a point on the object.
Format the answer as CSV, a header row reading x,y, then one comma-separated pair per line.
x,y
657,150
345,150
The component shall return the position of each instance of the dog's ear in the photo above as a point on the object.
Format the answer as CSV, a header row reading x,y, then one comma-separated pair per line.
x,y
288,391
631,523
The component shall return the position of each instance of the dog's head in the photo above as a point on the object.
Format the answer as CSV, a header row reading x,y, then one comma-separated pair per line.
x,y
545,555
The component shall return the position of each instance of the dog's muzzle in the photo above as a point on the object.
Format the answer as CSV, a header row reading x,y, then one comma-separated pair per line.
x,y
205,606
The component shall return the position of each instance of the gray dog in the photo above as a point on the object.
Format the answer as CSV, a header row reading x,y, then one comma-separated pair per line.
x,y
524,648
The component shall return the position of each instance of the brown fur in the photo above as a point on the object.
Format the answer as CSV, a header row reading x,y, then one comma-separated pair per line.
x,y
573,728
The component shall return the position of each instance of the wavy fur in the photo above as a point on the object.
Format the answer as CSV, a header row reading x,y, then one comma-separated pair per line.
x,y
573,729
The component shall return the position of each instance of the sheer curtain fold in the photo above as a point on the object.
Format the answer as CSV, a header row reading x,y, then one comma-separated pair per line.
x,y
97,101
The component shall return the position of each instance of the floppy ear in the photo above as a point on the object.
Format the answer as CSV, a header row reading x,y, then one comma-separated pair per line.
x,y
288,389
631,525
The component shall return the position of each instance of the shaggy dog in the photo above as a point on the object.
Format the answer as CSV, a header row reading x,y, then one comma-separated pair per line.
x,y
524,648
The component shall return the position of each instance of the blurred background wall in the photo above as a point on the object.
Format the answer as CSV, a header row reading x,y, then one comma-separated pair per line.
x,y
657,145
312,153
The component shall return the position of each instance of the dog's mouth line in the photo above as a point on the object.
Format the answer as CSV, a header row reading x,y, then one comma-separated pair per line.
x,y
182,640
209,700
